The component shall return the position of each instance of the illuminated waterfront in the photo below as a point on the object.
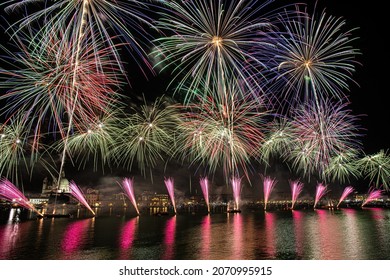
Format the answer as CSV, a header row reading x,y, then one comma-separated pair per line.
x,y
120,234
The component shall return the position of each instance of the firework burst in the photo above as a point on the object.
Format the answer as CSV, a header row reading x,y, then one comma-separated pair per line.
x,y
128,187
377,168
296,189
170,185
86,26
94,140
214,40
278,140
236,187
17,154
204,184
47,79
321,190
347,191
321,135
343,166
315,57
11,193
146,135
373,194
268,186
79,196
102,18
215,135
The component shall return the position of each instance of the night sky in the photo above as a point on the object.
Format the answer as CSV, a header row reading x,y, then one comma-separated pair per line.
x,y
367,98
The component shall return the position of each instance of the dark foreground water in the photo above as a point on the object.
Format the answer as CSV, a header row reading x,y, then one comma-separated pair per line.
x,y
360,234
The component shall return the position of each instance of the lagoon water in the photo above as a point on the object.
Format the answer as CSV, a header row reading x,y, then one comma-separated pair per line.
x,y
345,234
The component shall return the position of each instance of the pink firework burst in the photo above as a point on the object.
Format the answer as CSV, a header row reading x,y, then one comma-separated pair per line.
x,y
236,186
169,183
296,189
204,184
78,194
128,188
320,192
269,185
347,191
11,193
372,195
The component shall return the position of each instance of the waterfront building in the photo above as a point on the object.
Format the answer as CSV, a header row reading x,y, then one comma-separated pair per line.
x,y
39,201
92,197
53,186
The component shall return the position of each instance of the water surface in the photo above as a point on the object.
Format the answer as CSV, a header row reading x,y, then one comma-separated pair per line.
x,y
357,234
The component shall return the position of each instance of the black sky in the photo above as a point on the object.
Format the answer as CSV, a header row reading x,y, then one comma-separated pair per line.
x,y
370,98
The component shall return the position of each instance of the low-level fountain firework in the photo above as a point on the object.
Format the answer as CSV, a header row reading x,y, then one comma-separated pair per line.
x,y
296,189
11,193
204,184
347,191
320,192
268,186
78,194
169,183
236,186
372,195
128,188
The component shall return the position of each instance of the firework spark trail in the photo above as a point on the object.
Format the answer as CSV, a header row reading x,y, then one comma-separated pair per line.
x,y
236,187
372,195
76,92
79,196
296,189
10,192
128,188
321,190
169,183
204,184
347,191
268,186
